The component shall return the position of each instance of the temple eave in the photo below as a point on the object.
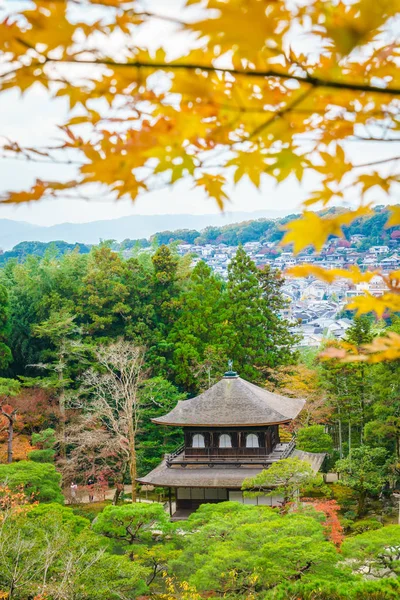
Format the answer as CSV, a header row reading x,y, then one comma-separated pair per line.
x,y
241,424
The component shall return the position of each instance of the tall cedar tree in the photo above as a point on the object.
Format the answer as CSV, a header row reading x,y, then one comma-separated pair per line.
x,y
5,352
165,305
199,333
257,338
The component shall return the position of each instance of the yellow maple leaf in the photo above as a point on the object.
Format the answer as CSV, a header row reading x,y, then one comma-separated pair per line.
x,y
371,180
312,230
329,275
394,218
213,185
378,305
324,195
382,348
252,164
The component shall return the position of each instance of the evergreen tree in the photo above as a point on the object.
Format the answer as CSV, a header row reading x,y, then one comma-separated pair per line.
x,y
165,287
257,338
349,385
199,332
165,301
384,428
5,352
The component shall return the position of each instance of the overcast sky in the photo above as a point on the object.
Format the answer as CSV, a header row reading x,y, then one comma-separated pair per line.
x,y
32,120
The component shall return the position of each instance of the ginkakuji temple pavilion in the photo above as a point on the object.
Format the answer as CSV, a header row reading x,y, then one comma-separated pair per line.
x,y
231,433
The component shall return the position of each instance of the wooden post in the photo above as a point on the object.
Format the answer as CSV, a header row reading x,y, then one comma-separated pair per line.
x,y
170,501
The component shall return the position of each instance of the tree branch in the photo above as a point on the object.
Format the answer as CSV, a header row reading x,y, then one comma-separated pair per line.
x,y
310,80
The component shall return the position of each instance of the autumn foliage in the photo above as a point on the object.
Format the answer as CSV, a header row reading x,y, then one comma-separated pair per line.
x,y
333,527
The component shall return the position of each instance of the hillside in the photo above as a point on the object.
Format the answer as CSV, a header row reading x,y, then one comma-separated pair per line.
x,y
232,234
131,227
271,230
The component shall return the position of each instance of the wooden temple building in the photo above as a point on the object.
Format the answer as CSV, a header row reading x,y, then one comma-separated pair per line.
x,y
231,432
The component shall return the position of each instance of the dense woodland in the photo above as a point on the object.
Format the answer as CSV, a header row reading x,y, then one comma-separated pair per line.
x,y
71,329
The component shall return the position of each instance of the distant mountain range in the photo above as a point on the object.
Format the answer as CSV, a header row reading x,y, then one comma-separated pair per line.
x,y
132,227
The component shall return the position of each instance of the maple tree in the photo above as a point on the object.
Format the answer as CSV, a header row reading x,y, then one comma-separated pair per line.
x,y
258,89
332,524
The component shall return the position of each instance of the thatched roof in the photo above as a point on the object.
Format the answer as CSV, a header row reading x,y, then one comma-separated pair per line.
x,y
217,477
233,401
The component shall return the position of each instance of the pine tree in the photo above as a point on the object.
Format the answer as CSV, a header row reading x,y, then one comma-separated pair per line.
x,y
258,338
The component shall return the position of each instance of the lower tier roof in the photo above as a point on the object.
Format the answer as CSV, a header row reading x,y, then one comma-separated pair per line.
x,y
216,477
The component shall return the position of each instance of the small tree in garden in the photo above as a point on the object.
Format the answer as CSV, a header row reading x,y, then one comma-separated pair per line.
x,y
44,443
332,524
375,552
288,478
132,523
314,439
365,472
113,390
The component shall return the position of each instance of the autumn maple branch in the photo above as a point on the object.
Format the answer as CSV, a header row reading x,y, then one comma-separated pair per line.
x,y
310,80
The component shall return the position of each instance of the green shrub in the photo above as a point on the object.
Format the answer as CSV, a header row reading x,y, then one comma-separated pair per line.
x,y
342,494
42,456
40,481
314,439
45,439
90,511
365,525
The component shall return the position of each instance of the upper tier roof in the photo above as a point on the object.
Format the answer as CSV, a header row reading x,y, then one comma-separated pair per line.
x,y
233,402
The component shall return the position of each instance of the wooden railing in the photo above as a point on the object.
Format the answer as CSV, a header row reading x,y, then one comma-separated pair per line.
x,y
216,452
289,448
170,457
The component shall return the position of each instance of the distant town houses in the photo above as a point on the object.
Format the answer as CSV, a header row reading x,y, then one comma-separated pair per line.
x,y
315,307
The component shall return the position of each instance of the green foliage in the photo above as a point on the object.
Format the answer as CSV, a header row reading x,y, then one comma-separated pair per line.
x,y
258,338
349,386
45,439
378,551
233,548
199,334
91,510
132,523
364,471
39,481
5,351
365,525
42,456
314,439
159,396
24,249
386,589
9,387
48,550
286,477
